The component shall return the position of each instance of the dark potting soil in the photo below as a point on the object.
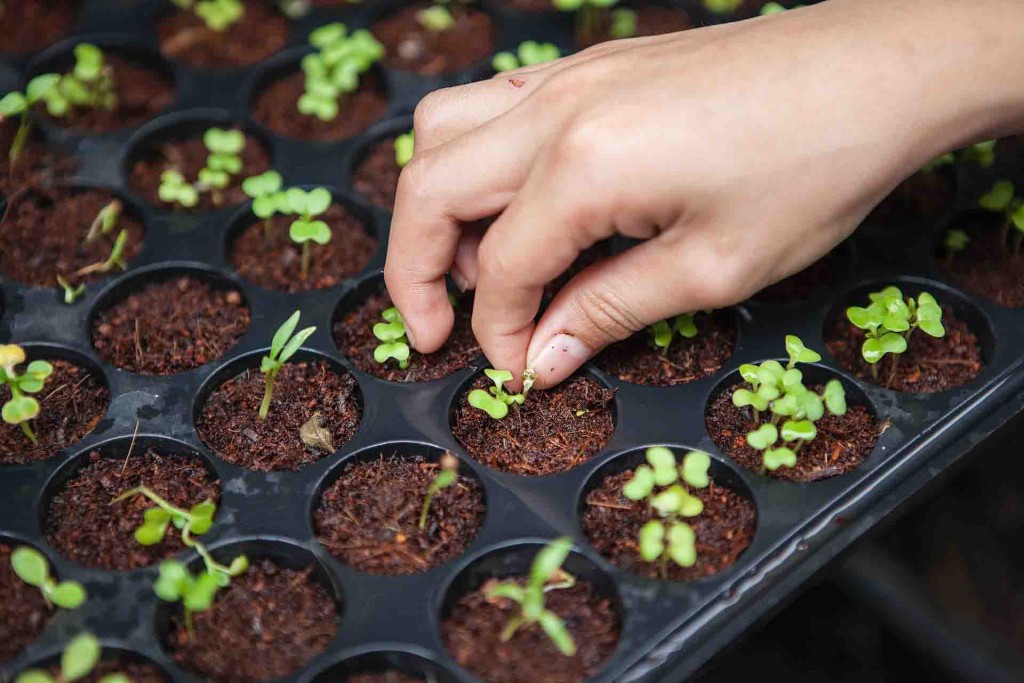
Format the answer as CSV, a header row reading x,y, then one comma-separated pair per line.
x,y
842,443
137,672
274,261
83,525
815,278
188,156
412,47
376,176
987,268
383,677
267,624
724,529
230,426
554,431
277,108
260,32
170,326
650,21
36,159
369,518
686,360
43,236
353,333
928,365
72,403
920,196
23,611
472,634
526,5
31,25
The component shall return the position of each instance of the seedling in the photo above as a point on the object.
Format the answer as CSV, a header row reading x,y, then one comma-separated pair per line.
x,y
528,53
105,221
623,24
393,337
590,15
889,321
306,229
722,6
448,475
21,409
20,104
218,15
405,146
195,521
333,71
495,401
196,593
174,189
285,344
89,85
435,18
71,293
80,657
31,567
955,242
224,160
115,260
939,162
982,153
663,331
546,574
1002,198
267,198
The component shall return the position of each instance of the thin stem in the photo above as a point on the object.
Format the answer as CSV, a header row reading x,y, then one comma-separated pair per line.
x,y
20,138
426,507
1004,232
29,433
268,393
189,626
305,259
152,496
511,627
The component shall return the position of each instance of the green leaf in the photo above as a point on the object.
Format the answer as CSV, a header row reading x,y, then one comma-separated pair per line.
x,y
640,485
295,343
798,353
88,61
768,392
792,380
547,562
685,325
788,405
68,595
115,678
874,349
810,406
835,397
531,52
750,373
664,463
999,197
773,368
623,24
481,400
676,500
886,296
933,328
1017,218
30,565
262,185
557,632
502,61
398,351
508,590
151,534
742,398
201,592
172,581
304,231
34,676
682,544
661,332
779,457
19,409
405,147
499,377
79,658
763,437
238,565
389,332
328,34
220,141
39,86
435,18
283,334
695,469
652,540
13,104
798,430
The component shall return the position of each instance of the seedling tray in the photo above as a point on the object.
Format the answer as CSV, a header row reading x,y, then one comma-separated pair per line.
x,y
668,628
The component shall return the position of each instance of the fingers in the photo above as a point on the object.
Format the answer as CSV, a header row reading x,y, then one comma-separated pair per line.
x,y
465,269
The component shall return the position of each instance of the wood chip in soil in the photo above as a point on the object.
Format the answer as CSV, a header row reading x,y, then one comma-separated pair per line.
x,y
270,622
651,20
811,281
412,47
922,195
23,611
277,109
72,403
83,525
170,326
36,159
376,176
31,25
230,426
260,32
137,672
554,431
988,268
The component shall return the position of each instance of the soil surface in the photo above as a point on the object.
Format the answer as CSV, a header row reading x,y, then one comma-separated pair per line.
x,y
650,21
554,431
170,326
526,5
383,677
260,32
137,672
83,526
812,280
188,156
988,268
928,365
472,634
686,360
920,196
842,443
353,333
72,403
412,47
376,176
275,261
369,518
277,109
23,611
230,424
31,25
36,159
43,236
267,624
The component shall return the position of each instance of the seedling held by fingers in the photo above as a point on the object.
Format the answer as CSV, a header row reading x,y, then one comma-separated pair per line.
x,y
333,71
21,409
267,198
31,567
80,657
663,331
495,401
405,146
223,161
174,189
20,104
1002,198
393,337
529,53
306,229
448,475
285,344
218,15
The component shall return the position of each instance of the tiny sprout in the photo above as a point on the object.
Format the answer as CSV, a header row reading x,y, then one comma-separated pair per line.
x,y
448,475
90,85
116,258
405,146
175,190
955,242
20,104
105,221
982,153
889,321
334,69
393,337
223,161
663,331
623,24
80,657
218,15
21,409
266,195
71,293
529,53
495,401
31,567
546,574
1002,199
304,230
435,18
722,6
285,344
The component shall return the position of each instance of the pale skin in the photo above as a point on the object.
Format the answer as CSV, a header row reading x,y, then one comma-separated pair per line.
x,y
740,154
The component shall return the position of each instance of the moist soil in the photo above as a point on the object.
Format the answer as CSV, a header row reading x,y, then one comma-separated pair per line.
x,y
383,677
686,360
376,176
230,426
268,623
137,672
277,109
73,402
411,47
188,156
170,326
650,21
472,634
812,280
987,268
553,431
920,196
37,159
274,261
724,529
43,236
83,525
23,611
31,25
369,518
842,443
928,365
260,32
353,333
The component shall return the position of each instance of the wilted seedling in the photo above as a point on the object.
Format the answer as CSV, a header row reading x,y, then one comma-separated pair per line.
x,y
546,574
1002,198
589,16
80,657
405,147
529,53
105,221
982,153
333,71
20,104
31,567
889,321
174,189
307,229
218,15
722,6
21,409
285,344
447,476
495,401
115,260
224,160
393,337
267,198
955,242
663,331
71,292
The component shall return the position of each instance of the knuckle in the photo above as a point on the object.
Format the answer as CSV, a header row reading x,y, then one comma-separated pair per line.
x,y
427,117
494,262
605,316
414,181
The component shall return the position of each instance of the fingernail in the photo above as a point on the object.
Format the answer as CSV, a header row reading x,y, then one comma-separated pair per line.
x,y
559,358
459,279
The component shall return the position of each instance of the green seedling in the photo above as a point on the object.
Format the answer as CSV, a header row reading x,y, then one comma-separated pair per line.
x,y
71,293
663,331
529,53
20,104
1002,198
196,593
722,6
405,147
80,657
267,198
955,242
623,24
982,153
174,189
195,521
436,18
31,567
939,162
89,85
394,339
105,221
21,408
447,476
218,15
495,401
285,344
115,260
546,574
223,161
307,229
889,321
333,71
590,15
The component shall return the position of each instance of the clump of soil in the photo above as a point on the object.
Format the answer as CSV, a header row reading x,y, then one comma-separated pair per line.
x,y
267,624
384,677
31,25
82,524
842,443
815,278
353,333
23,611
37,159
277,108
921,195
724,529
650,21
686,360
369,518
376,176
987,268
170,326
260,32
230,426
43,235
137,672
274,261
72,403
928,365
553,431
472,634
412,47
